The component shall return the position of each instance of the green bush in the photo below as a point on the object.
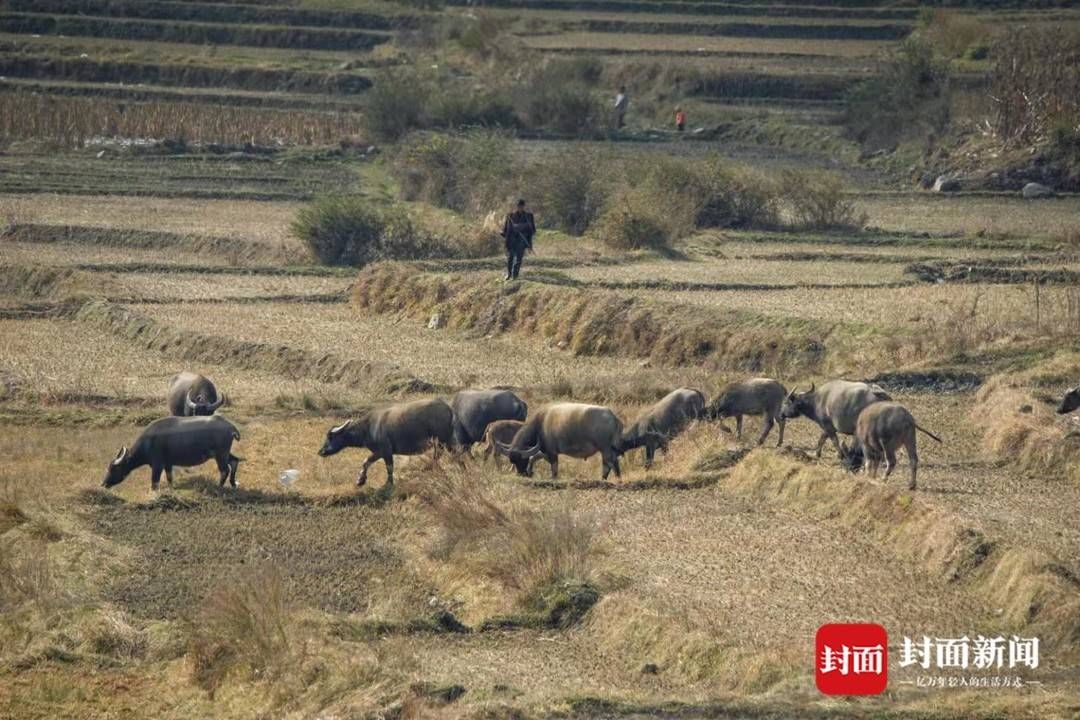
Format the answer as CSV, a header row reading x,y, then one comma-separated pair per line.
x,y
396,104
909,99
469,173
569,189
559,96
818,201
632,220
736,198
350,230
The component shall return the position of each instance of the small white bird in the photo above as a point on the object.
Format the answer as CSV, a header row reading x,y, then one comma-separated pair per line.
x,y
288,477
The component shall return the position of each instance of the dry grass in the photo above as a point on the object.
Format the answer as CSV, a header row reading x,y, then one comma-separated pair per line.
x,y
683,43
983,216
77,121
532,554
725,269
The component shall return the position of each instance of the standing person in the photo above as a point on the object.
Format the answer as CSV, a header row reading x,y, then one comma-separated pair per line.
x,y
622,101
680,119
518,231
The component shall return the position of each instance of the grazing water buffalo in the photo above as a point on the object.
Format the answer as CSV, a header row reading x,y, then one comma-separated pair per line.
x,y
757,396
178,441
475,409
403,429
504,431
663,421
835,407
193,394
573,429
881,428
1070,402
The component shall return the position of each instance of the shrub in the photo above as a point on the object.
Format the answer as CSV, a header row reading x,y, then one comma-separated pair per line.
x,y
1036,83
817,200
350,230
559,96
396,104
468,173
569,190
909,99
736,198
632,220
951,32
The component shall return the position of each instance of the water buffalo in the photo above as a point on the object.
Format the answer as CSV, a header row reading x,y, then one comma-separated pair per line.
x,y
1070,402
835,407
178,441
504,431
402,429
475,409
880,429
573,429
663,421
193,394
757,396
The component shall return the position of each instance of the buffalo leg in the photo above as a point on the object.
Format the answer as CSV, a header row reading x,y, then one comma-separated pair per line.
x,y
614,463
765,431
913,458
780,423
738,427
234,464
373,458
168,474
821,443
890,462
155,476
223,468
650,452
389,462
553,460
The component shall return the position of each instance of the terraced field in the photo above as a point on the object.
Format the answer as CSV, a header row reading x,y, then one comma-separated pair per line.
x,y
692,589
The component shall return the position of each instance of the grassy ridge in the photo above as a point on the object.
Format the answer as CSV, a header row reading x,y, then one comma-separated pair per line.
x,y
186,75
744,30
700,8
216,13
195,33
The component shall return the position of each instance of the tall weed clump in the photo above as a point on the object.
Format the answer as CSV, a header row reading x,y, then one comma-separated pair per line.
x,y
243,627
1036,85
351,230
909,99
560,96
569,190
819,201
468,173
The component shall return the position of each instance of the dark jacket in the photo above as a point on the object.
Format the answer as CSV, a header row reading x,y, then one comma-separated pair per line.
x,y
519,225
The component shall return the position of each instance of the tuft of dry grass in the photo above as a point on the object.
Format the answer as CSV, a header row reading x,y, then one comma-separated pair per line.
x,y
528,552
243,625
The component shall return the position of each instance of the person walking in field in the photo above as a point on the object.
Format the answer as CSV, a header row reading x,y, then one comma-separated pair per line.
x,y
518,231
622,101
680,119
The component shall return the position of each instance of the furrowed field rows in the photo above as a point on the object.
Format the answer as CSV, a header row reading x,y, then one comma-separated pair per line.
x,y
702,8
216,13
620,42
189,32
445,358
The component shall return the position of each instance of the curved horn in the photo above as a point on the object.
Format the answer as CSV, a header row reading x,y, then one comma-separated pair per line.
x,y
212,407
189,406
812,386
120,455
793,391
340,427
503,447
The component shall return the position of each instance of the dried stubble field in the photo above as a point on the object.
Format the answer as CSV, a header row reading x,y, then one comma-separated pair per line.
x,y
691,574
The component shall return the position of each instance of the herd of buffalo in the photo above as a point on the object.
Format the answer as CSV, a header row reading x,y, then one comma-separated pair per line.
x,y
193,433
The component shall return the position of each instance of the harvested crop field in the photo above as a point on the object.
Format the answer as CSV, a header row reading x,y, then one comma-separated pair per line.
x,y
178,183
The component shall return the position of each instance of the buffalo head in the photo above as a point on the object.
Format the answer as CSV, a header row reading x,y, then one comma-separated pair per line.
x,y
117,470
199,405
797,404
1070,402
340,437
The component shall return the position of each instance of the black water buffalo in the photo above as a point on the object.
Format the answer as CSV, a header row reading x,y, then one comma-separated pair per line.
x,y
835,407
756,396
178,442
1070,402
503,431
573,429
663,421
475,409
403,429
193,394
882,428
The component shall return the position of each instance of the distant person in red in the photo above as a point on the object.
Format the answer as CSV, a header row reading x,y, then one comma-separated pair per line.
x,y
518,231
680,119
